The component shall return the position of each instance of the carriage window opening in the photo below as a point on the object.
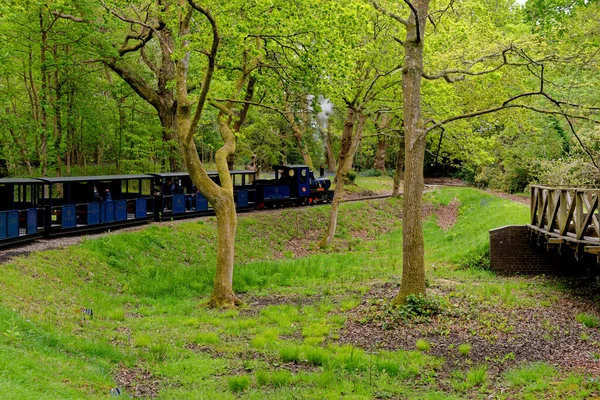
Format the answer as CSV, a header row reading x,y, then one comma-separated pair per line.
x,y
303,176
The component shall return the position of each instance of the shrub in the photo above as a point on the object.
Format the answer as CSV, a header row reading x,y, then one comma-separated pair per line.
x,y
420,306
351,176
370,172
476,261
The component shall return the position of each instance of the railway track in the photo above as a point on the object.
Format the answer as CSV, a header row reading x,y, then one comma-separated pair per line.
x,y
63,241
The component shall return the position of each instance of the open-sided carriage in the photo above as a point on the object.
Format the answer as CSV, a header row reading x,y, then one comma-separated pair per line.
x,y
93,202
175,196
21,209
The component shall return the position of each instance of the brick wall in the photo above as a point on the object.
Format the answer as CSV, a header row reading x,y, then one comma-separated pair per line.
x,y
512,252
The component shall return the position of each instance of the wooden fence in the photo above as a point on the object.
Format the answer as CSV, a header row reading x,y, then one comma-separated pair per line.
x,y
567,215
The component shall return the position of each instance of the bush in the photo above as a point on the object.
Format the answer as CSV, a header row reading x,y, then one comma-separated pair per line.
x,y
419,306
370,172
476,261
351,176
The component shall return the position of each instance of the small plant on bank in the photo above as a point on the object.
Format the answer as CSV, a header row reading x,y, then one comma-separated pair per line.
x,y
423,345
289,354
476,261
420,306
588,320
351,177
238,383
316,356
475,376
464,349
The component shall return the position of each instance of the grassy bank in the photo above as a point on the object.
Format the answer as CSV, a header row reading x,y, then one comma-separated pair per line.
x,y
150,336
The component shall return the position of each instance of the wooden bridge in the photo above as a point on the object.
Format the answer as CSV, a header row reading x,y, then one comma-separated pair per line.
x,y
566,217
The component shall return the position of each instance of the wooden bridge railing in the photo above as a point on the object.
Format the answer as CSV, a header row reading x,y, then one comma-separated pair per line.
x,y
566,214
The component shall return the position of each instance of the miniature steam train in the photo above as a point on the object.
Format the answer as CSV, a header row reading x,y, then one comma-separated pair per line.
x,y
31,208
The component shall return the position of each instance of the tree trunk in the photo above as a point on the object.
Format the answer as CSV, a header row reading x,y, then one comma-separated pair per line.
x,y
168,121
399,174
380,154
44,97
299,135
58,124
350,143
330,157
382,122
222,295
413,269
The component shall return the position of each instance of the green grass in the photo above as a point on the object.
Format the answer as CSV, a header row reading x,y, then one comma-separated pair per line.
x,y
423,345
475,376
146,289
588,320
464,349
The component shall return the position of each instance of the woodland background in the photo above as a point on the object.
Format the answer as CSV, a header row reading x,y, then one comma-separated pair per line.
x,y
84,90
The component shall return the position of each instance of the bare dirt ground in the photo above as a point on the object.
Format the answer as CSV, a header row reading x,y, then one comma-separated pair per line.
x,y
500,336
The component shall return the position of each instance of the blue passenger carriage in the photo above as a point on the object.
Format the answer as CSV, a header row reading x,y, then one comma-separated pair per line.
x,y
21,209
175,195
85,203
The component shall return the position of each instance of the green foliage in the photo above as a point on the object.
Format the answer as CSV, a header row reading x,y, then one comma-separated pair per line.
x,y
475,376
423,345
464,349
419,307
476,261
370,172
295,311
534,377
289,354
238,383
351,176
588,320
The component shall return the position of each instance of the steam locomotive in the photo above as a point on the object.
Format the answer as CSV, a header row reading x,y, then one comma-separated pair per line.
x,y
31,208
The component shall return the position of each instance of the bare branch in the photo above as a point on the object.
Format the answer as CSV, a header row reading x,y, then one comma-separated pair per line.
x,y
448,75
125,18
70,17
212,56
252,103
389,14
418,24
508,104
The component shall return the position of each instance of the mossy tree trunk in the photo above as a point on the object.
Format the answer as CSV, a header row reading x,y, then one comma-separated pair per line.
x,y
326,133
220,197
413,270
382,123
299,120
351,137
399,173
